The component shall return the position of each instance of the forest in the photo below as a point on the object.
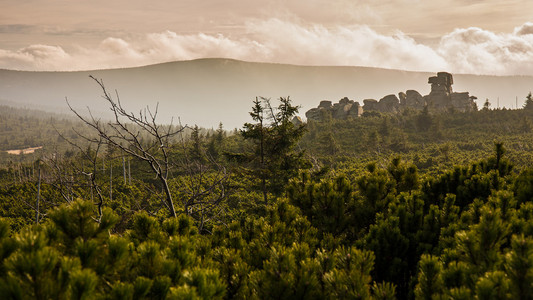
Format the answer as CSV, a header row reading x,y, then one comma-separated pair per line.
x,y
415,205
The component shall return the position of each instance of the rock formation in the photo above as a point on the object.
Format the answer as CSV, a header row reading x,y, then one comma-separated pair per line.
x,y
387,104
343,109
441,98
413,99
462,101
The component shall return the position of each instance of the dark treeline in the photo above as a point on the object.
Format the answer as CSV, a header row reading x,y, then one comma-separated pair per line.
x,y
408,206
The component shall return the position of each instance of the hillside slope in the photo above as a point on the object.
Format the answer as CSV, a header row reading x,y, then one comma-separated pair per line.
x,y
209,91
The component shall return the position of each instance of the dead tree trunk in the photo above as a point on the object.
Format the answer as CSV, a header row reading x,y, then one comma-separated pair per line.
x,y
125,133
38,195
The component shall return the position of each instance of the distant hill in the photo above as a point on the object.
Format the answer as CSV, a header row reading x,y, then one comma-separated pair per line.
x,y
209,91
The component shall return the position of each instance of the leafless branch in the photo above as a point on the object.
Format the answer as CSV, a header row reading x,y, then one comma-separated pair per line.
x,y
127,137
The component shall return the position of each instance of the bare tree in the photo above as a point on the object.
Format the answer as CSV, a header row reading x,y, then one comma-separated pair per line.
x,y
61,176
204,191
138,135
38,193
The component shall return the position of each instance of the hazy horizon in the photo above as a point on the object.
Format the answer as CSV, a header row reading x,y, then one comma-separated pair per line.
x,y
209,91
459,36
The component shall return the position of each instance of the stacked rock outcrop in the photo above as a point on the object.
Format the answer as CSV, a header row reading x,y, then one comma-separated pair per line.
x,y
441,98
342,110
387,104
414,100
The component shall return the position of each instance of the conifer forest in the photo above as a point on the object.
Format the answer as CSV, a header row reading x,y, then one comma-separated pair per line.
x,y
410,205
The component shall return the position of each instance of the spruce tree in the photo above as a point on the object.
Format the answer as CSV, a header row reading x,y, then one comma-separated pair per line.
x,y
275,158
528,105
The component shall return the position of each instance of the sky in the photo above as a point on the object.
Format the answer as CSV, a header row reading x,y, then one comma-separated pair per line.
x,y
491,37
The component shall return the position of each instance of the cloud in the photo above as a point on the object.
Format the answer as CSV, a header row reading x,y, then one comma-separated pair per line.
x,y
35,57
477,51
470,50
527,28
272,40
357,45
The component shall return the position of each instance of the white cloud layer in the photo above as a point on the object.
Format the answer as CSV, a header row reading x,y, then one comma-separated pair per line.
x,y
477,51
471,50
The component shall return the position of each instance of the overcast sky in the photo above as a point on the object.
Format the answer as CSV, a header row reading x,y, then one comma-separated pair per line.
x,y
460,36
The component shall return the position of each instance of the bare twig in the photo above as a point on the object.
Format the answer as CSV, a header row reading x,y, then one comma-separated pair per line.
x,y
127,137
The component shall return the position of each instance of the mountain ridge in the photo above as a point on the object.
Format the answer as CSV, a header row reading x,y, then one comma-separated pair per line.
x,y
222,59
212,90
258,63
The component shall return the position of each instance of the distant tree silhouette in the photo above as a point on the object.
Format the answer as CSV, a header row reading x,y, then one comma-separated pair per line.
x,y
486,105
528,105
